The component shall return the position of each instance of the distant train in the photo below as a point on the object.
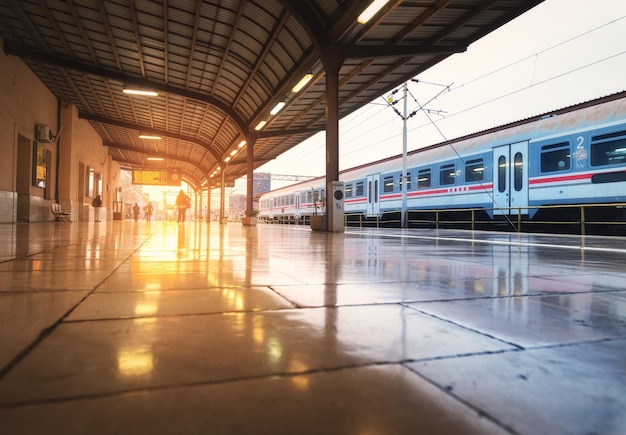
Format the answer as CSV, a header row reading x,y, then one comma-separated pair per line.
x,y
572,156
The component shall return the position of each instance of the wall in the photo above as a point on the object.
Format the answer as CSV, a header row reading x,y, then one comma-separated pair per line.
x,y
26,102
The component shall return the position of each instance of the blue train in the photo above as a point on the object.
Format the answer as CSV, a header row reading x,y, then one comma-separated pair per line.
x,y
572,156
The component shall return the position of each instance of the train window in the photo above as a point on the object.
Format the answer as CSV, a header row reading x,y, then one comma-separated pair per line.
x,y
518,171
388,183
447,174
348,190
501,174
608,152
360,189
474,170
556,157
423,178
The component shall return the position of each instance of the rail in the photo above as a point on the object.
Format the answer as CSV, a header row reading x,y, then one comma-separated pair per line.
x,y
581,215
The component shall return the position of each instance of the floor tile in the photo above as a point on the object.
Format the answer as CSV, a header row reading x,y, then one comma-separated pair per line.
x,y
276,329
87,358
24,316
538,320
393,401
177,302
576,389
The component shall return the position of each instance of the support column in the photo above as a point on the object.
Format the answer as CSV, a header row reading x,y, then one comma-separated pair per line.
x,y
208,203
223,218
249,175
333,58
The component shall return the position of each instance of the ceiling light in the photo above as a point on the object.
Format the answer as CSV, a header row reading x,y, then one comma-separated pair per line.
x,y
260,125
371,10
233,152
302,83
155,159
241,144
138,90
149,136
227,159
277,108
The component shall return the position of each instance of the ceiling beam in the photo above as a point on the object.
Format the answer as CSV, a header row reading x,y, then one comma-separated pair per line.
x,y
153,153
148,129
355,51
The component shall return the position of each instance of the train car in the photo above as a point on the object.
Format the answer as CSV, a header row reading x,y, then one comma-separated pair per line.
x,y
572,156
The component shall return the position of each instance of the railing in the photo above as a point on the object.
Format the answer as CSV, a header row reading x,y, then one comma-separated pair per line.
x,y
583,216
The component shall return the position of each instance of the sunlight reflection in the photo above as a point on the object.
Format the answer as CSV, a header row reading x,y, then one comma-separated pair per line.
x,y
274,350
145,308
300,382
258,329
137,361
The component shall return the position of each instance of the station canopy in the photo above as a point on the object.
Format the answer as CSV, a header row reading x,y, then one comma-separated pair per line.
x,y
220,67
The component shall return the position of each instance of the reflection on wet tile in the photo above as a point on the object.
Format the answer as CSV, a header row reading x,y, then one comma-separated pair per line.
x,y
392,401
448,288
572,389
118,355
53,280
173,302
538,320
276,329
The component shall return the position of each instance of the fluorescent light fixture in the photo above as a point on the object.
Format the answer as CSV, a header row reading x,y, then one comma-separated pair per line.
x,y
277,108
155,159
149,136
241,144
138,90
260,125
227,159
233,152
371,10
302,83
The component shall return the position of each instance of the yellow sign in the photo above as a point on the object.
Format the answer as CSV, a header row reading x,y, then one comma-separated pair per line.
x,y
156,177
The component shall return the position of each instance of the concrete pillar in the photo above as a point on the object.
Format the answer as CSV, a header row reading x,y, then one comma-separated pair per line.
x,y
332,58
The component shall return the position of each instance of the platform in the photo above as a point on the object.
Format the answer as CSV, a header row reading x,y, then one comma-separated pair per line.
x,y
128,327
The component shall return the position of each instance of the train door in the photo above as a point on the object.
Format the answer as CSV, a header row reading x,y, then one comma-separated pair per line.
x,y
296,212
373,203
510,179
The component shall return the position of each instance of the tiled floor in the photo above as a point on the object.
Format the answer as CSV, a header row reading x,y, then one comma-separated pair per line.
x,y
124,327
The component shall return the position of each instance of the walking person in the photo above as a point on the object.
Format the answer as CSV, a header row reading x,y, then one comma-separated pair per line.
x,y
136,212
148,211
182,204
97,203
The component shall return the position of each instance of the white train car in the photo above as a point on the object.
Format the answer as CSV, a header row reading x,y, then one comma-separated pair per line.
x,y
573,156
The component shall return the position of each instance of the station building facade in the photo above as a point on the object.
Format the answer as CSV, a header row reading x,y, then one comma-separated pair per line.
x,y
48,154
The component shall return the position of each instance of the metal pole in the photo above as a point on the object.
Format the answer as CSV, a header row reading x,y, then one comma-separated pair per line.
x,y
404,147
223,198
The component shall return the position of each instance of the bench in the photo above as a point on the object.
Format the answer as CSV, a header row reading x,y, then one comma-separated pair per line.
x,y
59,214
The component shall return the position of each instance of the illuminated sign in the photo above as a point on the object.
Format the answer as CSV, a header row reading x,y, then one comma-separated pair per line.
x,y
156,177
218,183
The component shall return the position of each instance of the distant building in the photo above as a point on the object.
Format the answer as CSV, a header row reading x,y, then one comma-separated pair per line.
x,y
262,183
236,206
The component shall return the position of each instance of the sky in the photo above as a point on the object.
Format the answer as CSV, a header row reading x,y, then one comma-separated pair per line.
x,y
559,53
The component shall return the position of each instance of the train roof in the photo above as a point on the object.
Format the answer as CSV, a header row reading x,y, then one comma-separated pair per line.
x,y
520,125
600,110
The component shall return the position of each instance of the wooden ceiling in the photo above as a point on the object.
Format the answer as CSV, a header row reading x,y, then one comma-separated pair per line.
x,y
220,66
